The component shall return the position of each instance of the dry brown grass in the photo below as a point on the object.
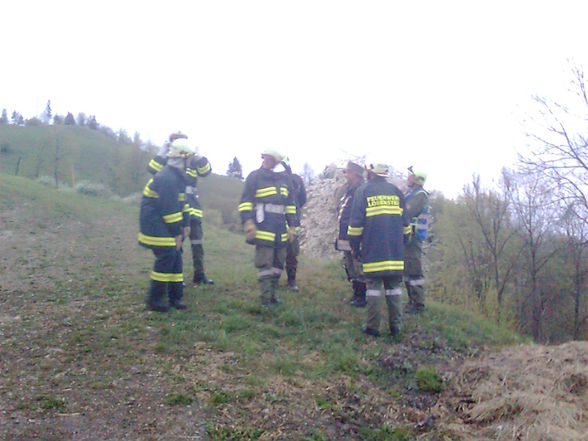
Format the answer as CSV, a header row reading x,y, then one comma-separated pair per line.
x,y
528,392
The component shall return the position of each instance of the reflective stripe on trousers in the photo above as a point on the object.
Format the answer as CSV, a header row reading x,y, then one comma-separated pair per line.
x,y
417,282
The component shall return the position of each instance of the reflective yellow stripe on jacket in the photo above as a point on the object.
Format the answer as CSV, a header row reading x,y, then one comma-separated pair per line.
x,y
265,235
246,206
171,218
267,191
386,265
354,231
375,211
291,209
147,192
155,165
195,212
204,169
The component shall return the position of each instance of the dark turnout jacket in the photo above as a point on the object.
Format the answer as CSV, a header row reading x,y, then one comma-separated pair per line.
x,y
345,205
160,218
377,227
269,201
199,166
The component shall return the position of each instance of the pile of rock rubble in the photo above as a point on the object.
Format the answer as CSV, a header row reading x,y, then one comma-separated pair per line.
x,y
319,223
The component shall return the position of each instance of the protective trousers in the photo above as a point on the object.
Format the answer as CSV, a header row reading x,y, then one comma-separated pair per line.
x,y
167,275
269,262
353,268
292,251
393,291
197,249
413,273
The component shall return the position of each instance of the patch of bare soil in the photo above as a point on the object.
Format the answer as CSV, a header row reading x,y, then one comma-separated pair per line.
x,y
528,392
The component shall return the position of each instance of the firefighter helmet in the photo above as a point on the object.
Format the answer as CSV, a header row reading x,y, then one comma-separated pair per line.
x,y
180,148
419,175
378,168
273,153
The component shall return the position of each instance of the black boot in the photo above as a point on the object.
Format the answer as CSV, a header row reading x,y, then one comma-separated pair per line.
x,y
360,300
291,272
175,293
154,301
201,279
354,285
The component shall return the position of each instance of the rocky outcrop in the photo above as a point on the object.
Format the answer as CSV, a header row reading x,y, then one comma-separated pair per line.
x,y
319,224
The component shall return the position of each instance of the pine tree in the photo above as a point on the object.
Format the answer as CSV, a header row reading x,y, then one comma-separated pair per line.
x,y
46,116
235,169
69,119
4,117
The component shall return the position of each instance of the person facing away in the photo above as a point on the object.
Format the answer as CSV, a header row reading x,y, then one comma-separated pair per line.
x,y
376,234
268,216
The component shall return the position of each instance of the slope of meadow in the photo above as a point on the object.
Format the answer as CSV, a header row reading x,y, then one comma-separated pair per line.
x,y
80,358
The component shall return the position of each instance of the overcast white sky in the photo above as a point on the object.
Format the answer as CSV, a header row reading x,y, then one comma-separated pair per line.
x,y
440,85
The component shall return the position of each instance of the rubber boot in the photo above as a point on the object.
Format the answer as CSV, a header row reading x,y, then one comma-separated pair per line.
x,y
274,286
354,285
265,291
154,301
201,279
291,272
175,293
360,301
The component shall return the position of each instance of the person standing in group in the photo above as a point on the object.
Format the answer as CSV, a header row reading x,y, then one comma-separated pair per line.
x,y
161,223
293,247
198,166
417,210
268,215
376,234
354,179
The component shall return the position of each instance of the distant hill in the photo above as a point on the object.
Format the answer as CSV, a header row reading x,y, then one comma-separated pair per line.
x,y
81,154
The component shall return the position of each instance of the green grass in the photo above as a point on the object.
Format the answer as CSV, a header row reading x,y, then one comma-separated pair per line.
x,y
224,350
428,380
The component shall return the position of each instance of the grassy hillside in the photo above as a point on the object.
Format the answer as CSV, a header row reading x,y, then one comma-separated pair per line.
x,y
80,355
90,155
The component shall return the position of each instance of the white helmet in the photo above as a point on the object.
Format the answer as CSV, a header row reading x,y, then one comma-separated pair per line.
x,y
378,168
180,148
274,153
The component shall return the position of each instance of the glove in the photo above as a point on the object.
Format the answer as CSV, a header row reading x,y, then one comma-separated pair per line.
x,y
250,230
291,234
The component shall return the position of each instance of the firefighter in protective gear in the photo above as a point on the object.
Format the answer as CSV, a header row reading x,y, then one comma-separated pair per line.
x,y
293,247
417,209
198,167
161,224
267,210
376,233
354,179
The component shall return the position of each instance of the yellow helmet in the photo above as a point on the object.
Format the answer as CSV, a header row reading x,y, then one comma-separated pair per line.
x,y
180,148
420,176
378,168
273,153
